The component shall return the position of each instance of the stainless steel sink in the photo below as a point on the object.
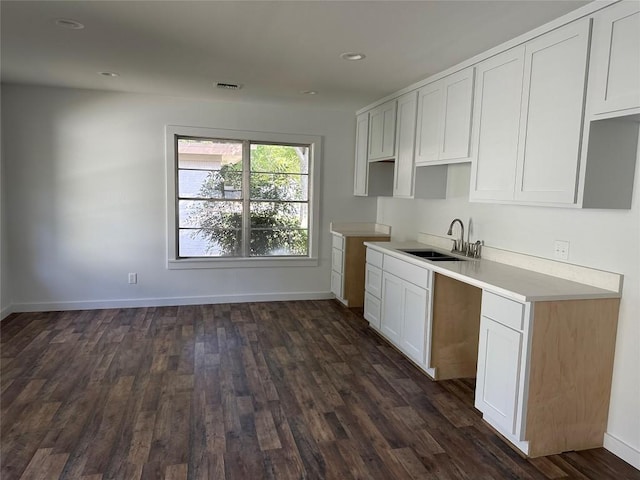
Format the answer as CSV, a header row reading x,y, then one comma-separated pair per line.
x,y
433,256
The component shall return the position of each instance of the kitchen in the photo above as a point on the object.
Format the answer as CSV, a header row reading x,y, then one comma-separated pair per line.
x,y
51,261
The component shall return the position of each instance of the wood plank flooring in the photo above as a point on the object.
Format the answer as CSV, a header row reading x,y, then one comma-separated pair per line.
x,y
283,390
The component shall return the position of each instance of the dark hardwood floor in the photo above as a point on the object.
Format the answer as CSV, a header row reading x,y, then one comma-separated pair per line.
x,y
284,390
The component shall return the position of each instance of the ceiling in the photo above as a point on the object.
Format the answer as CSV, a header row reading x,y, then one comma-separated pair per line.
x,y
275,49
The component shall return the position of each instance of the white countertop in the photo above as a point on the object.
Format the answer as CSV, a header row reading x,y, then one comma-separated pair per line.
x,y
511,282
356,229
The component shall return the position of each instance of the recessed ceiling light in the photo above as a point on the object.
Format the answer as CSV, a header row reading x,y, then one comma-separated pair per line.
x,y
309,92
109,74
352,56
70,24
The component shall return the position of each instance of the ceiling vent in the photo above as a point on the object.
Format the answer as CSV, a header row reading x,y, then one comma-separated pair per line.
x,y
228,86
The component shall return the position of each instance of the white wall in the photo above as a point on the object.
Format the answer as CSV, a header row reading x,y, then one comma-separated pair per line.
x,y
602,239
86,189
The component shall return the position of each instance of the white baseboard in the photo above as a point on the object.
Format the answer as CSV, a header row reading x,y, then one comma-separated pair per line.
x,y
5,312
168,301
623,450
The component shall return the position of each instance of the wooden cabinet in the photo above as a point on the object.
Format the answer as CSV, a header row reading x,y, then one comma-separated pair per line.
x,y
348,267
360,174
499,371
615,60
551,75
405,145
444,119
382,131
544,371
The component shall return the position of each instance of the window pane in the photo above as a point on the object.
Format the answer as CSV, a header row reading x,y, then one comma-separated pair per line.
x,y
201,154
209,243
209,184
209,215
269,242
283,215
279,186
279,158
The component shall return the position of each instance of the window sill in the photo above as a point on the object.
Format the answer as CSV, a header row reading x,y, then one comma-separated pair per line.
x,y
197,263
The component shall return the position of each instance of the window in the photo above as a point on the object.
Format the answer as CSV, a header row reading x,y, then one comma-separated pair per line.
x,y
240,198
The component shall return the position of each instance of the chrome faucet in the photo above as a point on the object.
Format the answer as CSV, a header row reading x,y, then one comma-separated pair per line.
x,y
459,245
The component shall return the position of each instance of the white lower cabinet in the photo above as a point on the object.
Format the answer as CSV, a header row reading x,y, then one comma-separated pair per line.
x,y
391,321
372,310
405,308
499,368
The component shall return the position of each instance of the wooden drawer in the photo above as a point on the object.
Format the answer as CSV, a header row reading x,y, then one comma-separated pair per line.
x,y
507,312
411,273
336,260
374,258
373,280
338,242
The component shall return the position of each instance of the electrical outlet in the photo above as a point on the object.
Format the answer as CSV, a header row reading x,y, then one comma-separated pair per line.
x,y
561,250
133,278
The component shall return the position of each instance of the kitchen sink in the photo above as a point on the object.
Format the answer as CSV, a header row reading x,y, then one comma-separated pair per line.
x,y
433,256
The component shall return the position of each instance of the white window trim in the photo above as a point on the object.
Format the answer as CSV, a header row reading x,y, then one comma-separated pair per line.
x,y
315,157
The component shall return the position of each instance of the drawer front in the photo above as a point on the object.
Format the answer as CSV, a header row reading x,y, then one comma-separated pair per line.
x,y
502,310
374,258
336,260
373,280
336,284
372,310
338,242
407,271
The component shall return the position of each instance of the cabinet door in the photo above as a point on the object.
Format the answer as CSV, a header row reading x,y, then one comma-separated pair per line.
x,y
496,120
336,284
499,358
391,321
428,123
337,261
615,67
373,280
405,143
414,325
372,310
456,123
382,131
360,174
551,115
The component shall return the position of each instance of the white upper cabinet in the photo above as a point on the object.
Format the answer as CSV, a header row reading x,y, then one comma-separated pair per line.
x,y
444,119
496,121
555,74
615,63
405,143
382,131
528,120
360,175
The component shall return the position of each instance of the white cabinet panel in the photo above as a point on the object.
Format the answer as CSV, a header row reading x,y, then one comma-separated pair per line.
x,y
407,271
496,120
360,175
374,257
373,280
456,125
382,131
444,119
428,123
405,143
337,261
615,67
336,284
372,310
503,310
391,321
499,367
413,336
552,114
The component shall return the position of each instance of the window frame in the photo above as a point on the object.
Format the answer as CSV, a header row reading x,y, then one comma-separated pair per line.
x,y
174,262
